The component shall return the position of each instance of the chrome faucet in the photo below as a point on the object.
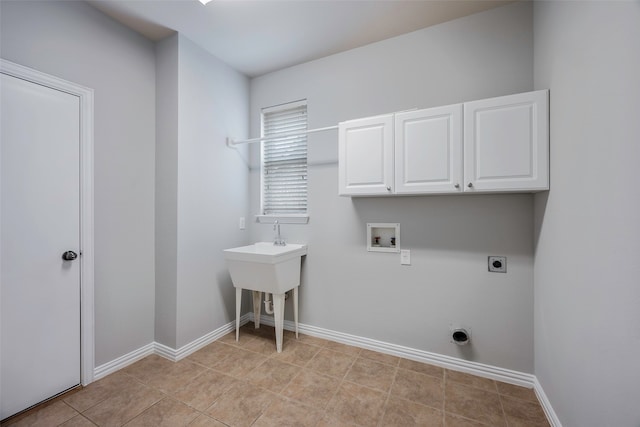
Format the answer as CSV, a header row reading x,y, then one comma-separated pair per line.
x,y
279,241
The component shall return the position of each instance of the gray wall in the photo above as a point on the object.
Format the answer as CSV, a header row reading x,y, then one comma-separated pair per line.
x,y
73,41
202,189
213,188
347,289
587,268
166,248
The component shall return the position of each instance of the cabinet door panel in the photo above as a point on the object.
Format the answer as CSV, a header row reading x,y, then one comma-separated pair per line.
x,y
428,150
366,156
506,143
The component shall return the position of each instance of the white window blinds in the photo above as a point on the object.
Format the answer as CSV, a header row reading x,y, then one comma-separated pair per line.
x,y
284,160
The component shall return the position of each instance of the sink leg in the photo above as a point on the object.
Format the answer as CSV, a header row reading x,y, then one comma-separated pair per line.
x,y
238,307
257,307
278,314
295,308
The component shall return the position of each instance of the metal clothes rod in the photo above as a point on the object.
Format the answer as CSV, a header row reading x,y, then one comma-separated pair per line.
x,y
231,142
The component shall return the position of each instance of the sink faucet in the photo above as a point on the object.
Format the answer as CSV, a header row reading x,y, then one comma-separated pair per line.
x,y
279,241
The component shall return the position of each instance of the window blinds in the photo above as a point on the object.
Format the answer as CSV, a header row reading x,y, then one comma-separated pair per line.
x,y
284,160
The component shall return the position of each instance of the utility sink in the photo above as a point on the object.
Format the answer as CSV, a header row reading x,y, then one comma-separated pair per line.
x,y
265,267
272,269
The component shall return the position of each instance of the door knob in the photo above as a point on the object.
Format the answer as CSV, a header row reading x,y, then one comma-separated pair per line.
x,y
69,256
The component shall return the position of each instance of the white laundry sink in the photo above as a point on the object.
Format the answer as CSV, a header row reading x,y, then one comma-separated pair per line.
x,y
273,269
265,267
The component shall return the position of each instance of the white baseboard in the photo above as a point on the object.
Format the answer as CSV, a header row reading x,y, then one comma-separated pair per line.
x,y
453,363
123,361
546,405
475,368
165,351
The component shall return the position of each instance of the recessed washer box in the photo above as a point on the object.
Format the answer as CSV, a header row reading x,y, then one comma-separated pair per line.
x,y
383,237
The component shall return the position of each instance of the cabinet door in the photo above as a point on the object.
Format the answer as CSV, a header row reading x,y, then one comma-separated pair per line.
x,y
506,143
365,150
428,150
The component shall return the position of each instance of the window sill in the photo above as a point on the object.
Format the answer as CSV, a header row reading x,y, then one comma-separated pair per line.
x,y
283,219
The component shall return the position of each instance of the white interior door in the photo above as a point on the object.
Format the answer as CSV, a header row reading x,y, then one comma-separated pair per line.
x,y
39,221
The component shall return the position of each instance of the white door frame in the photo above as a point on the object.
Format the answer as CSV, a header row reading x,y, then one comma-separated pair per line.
x,y
87,348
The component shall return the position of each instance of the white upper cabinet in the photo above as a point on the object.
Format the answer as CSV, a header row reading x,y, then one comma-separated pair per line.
x,y
428,150
492,145
365,150
506,143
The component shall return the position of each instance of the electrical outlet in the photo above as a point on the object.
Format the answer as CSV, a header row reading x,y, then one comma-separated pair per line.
x,y
241,223
498,264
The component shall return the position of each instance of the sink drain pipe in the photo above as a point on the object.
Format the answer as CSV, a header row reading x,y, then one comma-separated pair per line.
x,y
268,304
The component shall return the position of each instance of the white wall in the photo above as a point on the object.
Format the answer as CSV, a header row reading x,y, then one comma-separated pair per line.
x,y
347,289
202,189
587,256
73,41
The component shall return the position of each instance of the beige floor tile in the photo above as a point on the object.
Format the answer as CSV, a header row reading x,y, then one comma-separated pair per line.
x,y
419,388
387,359
474,403
517,391
204,421
166,413
343,348
264,331
239,363
306,339
357,404
273,375
176,376
98,391
241,405
329,421
230,338
262,345
471,380
452,420
51,414
284,413
521,413
148,368
78,421
211,354
423,368
203,390
403,413
331,363
296,352
371,374
123,406
312,388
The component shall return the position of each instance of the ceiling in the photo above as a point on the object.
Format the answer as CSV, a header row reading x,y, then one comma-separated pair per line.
x,y
259,36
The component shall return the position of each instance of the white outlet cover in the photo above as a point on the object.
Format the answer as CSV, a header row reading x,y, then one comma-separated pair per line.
x,y
405,257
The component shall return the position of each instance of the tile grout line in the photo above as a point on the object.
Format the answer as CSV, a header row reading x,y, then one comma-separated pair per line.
x,y
386,401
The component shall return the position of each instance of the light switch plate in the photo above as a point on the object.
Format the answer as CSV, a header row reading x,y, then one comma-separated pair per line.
x,y
405,257
241,223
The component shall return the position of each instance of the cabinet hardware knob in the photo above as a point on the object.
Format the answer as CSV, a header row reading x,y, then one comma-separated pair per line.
x,y
388,188
470,185
457,185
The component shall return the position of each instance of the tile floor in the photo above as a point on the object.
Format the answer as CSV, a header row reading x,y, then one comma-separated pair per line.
x,y
313,382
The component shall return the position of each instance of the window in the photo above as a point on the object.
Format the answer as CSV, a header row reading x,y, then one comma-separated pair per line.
x,y
284,160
